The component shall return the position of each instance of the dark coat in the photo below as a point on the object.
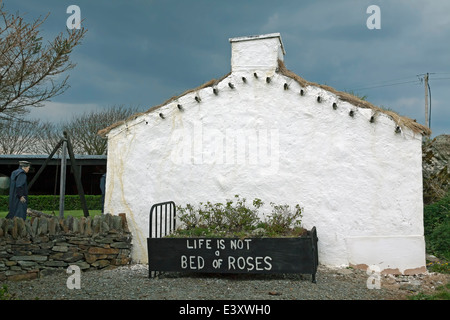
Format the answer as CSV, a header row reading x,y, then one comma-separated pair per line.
x,y
102,187
18,188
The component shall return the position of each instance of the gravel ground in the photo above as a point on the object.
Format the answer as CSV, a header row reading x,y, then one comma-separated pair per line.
x,y
132,283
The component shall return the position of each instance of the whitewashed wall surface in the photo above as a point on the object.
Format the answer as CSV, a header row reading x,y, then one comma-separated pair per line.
x,y
255,135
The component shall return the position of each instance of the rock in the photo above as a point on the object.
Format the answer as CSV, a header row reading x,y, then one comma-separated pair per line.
x,y
121,245
103,240
91,258
14,231
82,224
28,228
104,228
436,168
21,230
98,250
56,263
52,223
67,256
96,224
60,248
345,271
432,258
120,261
23,276
116,223
29,258
43,226
27,264
88,227
123,216
124,253
50,271
69,221
76,226
82,264
101,263
34,226
409,287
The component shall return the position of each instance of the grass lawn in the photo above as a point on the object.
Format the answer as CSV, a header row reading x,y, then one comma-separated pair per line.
x,y
74,213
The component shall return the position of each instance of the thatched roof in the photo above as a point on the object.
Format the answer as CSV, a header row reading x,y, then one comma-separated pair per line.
x,y
354,100
401,121
210,83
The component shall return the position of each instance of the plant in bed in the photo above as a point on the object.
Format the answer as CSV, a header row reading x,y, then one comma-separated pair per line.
x,y
237,218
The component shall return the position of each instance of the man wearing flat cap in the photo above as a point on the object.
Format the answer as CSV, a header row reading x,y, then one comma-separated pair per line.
x,y
18,192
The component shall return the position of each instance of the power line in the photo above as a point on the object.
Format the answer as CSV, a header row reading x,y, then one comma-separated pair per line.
x,y
393,82
419,79
429,117
385,85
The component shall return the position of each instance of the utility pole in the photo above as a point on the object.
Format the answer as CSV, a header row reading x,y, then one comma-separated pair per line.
x,y
426,101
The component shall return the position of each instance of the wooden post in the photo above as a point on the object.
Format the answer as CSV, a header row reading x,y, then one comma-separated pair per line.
x,y
62,186
77,175
36,176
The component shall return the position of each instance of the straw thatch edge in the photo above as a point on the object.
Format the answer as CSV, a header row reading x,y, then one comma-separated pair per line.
x,y
210,83
401,121
354,100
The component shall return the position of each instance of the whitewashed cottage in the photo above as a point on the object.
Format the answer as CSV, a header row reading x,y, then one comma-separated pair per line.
x,y
263,132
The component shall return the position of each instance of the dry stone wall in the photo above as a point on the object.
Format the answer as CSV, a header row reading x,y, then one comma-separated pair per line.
x,y
38,246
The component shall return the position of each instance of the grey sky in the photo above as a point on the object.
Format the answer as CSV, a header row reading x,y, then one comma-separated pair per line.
x,y
141,53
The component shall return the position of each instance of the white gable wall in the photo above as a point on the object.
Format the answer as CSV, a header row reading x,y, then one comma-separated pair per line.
x,y
360,183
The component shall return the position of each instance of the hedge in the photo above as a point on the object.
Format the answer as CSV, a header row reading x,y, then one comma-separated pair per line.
x,y
437,227
51,203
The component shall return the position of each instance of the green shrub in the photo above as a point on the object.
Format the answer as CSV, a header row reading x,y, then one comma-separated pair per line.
x,y
436,213
237,218
49,202
4,293
440,267
283,218
437,227
439,240
220,218
442,293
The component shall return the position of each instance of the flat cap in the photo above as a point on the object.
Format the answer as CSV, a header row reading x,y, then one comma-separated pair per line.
x,y
24,163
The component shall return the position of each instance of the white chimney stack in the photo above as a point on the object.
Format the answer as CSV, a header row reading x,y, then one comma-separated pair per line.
x,y
257,53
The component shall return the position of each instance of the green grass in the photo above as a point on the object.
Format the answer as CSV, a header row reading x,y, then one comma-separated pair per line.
x,y
440,267
442,293
73,213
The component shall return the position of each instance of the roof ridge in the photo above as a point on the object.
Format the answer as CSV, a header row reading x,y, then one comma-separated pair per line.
x,y
401,121
210,83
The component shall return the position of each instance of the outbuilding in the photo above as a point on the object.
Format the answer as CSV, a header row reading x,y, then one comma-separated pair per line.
x,y
262,131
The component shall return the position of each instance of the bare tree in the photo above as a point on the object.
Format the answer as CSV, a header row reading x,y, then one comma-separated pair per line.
x,y
18,137
29,69
83,129
48,135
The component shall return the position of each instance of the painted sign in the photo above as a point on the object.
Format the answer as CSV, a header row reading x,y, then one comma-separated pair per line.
x,y
233,255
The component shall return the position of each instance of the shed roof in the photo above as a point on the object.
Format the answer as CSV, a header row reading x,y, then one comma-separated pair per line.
x,y
401,121
39,159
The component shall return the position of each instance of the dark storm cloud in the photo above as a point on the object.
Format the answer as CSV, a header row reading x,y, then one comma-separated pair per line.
x,y
143,52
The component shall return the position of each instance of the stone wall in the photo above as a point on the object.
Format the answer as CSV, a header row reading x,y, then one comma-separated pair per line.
x,y
40,245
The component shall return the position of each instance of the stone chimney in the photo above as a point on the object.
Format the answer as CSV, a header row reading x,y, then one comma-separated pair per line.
x,y
257,53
